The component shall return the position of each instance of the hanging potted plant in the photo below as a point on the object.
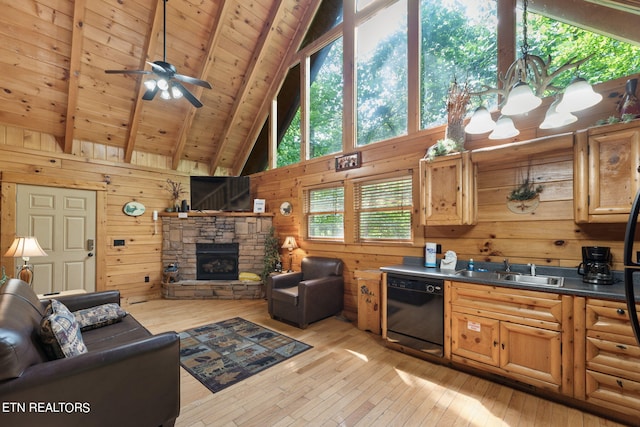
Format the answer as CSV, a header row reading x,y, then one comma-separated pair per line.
x,y
525,198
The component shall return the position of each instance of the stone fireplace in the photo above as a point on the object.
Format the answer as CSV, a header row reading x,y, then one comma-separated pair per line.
x,y
211,249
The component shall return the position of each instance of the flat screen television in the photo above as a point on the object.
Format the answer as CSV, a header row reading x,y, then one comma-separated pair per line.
x,y
221,193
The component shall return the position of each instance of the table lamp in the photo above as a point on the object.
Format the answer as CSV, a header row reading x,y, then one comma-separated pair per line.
x,y
25,247
290,244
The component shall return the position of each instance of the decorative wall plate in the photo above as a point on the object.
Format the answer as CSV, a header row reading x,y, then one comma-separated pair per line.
x,y
286,208
133,209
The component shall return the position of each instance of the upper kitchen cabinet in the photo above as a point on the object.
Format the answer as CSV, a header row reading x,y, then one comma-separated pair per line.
x,y
448,190
606,172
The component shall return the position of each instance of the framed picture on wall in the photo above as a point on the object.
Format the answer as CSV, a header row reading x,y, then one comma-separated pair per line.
x,y
348,161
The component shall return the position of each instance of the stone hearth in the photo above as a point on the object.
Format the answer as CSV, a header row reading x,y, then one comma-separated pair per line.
x,y
179,239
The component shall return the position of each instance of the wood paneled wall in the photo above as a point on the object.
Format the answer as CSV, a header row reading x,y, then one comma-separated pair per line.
x,y
37,159
549,236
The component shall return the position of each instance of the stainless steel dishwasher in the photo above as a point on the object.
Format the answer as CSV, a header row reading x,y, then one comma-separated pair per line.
x,y
415,312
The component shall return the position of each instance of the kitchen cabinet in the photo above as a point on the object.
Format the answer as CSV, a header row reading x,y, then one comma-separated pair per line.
x,y
448,190
515,333
369,308
610,374
606,172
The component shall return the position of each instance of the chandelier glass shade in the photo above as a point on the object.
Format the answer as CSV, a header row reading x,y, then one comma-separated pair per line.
x,y
579,95
520,100
481,122
504,129
555,119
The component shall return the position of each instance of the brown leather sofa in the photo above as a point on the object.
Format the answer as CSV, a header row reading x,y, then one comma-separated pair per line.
x,y
128,377
307,296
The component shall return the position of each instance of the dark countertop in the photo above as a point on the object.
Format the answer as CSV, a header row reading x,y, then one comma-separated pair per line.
x,y
573,284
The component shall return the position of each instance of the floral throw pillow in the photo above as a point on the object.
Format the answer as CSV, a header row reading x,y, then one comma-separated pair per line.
x,y
60,332
99,316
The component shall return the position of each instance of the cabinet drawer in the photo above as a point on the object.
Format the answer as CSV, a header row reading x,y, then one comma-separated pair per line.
x,y
609,317
614,358
539,309
613,392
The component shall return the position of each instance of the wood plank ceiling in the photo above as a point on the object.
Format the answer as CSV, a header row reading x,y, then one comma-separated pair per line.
x,y
53,54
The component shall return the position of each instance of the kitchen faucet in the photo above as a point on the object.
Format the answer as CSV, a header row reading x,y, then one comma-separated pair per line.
x,y
507,267
532,266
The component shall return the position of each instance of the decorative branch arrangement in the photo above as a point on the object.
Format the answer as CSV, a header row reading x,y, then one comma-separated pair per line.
x,y
175,190
457,101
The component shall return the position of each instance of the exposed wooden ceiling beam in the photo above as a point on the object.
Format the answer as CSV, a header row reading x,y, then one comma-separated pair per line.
x,y
274,16
223,10
290,52
136,111
79,10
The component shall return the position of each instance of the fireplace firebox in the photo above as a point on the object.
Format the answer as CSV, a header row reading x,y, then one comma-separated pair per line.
x,y
217,261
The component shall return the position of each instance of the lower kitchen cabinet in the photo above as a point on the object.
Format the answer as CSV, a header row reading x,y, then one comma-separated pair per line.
x,y
610,376
514,333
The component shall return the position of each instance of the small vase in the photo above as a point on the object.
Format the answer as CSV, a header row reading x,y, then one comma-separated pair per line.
x,y
630,104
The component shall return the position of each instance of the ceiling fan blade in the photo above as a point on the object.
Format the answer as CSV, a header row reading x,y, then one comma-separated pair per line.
x,y
193,81
127,72
192,99
150,94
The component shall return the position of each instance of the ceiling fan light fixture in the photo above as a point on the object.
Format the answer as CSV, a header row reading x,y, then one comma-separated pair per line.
x,y
163,85
165,94
150,84
176,93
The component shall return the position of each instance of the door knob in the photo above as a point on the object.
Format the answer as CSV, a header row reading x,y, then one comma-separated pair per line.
x,y
90,254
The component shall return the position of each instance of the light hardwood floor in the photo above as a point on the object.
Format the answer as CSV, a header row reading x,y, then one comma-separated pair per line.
x,y
349,378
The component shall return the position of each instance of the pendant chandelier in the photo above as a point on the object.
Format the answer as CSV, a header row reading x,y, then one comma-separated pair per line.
x,y
522,87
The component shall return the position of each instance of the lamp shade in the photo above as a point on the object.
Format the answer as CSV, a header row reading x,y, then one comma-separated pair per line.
x,y
554,119
504,129
481,122
579,95
25,247
290,243
520,100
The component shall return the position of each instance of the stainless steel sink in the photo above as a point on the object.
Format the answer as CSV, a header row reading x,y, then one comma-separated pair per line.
x,y
510,277
487,275
555,281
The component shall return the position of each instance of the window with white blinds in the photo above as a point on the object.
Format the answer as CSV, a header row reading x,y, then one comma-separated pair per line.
x,y
324,208
383,209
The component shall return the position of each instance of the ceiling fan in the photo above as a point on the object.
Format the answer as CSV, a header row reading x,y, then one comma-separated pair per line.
x,y
167,79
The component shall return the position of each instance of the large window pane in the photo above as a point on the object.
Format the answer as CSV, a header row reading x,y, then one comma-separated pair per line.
x,y
288,119
609,58
458,41
325,116
325,213
381,44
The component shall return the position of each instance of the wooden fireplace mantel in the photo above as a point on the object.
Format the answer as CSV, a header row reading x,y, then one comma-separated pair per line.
x,y
217,213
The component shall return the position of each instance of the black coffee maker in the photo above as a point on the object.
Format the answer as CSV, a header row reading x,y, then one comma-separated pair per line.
x,y
595,265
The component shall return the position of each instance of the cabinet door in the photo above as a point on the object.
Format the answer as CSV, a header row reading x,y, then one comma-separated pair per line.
x,y
448,191
614,160
531,352
475,338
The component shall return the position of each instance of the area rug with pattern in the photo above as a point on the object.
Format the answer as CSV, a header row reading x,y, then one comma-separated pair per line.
x,y
224,353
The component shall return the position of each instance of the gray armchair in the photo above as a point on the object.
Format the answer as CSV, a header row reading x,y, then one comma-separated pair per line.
x,y
307,296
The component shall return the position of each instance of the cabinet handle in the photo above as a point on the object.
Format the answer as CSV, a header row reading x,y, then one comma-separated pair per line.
x,y
621,347
620,312
620,384
503,346
495,343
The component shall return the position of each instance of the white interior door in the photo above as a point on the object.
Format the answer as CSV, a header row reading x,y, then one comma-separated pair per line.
x,y
64,222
